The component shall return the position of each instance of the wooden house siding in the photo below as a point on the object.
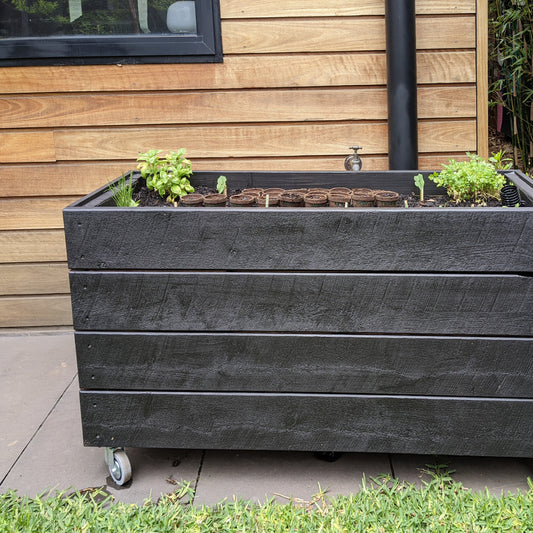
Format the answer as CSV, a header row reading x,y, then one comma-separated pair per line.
x,y
301,81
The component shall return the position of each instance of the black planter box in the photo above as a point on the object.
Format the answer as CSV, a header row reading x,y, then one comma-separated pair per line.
x,y
331,329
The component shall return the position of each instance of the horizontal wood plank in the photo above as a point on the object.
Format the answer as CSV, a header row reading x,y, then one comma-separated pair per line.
x,y
257,140
333,8
26,311
27,146
379,424
229,106
238,72
232,239
442,366
275,36
285,302
33,213
81,178
23,246
34,278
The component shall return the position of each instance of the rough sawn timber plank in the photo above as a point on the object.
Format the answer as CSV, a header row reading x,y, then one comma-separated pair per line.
x,y
354,364
440,304
367,423
448,240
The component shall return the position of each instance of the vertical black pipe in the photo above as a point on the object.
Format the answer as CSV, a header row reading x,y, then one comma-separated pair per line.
x,y
401,84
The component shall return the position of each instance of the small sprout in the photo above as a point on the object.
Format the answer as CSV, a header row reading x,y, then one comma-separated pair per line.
x,y
221,185
419,182
123,192
406,204
267,200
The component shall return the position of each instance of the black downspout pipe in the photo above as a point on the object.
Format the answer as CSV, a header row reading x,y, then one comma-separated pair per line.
x,y
401,84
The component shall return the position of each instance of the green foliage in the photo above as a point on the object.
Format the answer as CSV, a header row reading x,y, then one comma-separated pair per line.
x,y
501,162
511,22
168,176
123,192
221,184
419,182
382,505
470,181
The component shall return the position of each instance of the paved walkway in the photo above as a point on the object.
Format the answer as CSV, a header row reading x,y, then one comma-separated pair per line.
x,y
41,446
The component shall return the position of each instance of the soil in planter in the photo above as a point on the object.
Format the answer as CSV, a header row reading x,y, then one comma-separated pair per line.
x,y
149,198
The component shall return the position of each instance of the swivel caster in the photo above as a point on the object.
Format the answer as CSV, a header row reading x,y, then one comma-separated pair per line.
x,y
119,465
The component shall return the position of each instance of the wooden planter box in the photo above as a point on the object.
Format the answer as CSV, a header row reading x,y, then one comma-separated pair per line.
x,y
368,330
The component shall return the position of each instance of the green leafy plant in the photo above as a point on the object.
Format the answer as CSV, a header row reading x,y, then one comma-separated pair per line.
x,y
419,182
123,192
222,185
470,181
168,176
501,162
511,24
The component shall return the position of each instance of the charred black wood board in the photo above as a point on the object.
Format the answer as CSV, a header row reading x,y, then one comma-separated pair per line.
x,y
356,364
316,422
444,304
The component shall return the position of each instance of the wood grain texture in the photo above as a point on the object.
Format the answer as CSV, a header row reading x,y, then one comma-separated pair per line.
x,y
229,106
33,213
482,47
23,246
285,302
334,240
34,278
256,140
334,8
26,311
81,178
238,72
435,366
378,424
275,36
27,146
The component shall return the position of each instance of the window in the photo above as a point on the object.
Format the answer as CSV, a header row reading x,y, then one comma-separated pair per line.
x,y
82,32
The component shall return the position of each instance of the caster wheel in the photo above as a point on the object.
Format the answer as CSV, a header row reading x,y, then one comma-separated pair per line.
x,y
120,469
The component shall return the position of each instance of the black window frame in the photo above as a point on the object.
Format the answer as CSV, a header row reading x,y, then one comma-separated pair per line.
x,y
203,47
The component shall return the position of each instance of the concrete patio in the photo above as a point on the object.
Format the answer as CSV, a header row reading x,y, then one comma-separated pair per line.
x,y
41,446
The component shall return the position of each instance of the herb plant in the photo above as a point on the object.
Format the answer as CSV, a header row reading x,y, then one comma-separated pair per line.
x,y
419,182
168,176
222,185
470,181
123,192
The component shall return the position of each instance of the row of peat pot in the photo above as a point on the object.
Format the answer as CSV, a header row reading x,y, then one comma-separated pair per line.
x,y
313,197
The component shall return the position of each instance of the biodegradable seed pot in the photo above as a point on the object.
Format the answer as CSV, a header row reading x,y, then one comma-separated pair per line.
x,y
315,199
360,329
192,199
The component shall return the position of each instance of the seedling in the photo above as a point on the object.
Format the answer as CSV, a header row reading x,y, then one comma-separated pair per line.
x,y
123,192
501,162
169,176
470,181
419,182
221,185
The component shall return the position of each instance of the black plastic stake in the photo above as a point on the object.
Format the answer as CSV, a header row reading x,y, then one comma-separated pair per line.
x,y
401,84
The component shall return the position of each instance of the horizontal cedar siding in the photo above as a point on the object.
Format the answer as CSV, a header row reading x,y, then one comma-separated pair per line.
x,y
301,81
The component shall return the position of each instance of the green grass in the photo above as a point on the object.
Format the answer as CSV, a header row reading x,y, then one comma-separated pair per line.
x,y
383,505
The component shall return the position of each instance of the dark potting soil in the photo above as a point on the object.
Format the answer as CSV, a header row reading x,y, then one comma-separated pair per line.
x,y
150,198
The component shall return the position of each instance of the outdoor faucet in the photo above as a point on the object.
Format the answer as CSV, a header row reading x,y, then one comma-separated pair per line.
x,y
353,162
